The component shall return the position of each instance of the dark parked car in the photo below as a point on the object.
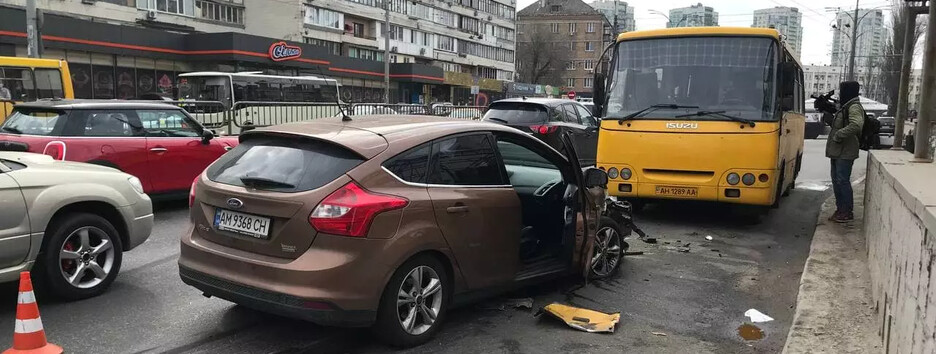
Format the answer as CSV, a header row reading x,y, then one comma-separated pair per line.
x,y
548,119
386,222
887,125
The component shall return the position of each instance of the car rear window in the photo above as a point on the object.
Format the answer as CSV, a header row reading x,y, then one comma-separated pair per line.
x,y
32,122
283,164
517,113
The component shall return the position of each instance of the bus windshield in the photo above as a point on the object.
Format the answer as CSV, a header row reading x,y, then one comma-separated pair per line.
x,y
731,75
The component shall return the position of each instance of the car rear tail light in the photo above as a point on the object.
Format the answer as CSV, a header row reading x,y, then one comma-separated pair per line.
x,y
191,193
350,210
543,129
56,149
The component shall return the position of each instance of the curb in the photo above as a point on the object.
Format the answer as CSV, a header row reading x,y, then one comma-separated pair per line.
x,y
833,313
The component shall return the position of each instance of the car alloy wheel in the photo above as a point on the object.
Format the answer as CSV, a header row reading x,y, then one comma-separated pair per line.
x,y
607,253
419,300
86,257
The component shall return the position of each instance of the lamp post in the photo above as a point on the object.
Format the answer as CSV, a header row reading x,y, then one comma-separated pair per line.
x,y
386,58
855,22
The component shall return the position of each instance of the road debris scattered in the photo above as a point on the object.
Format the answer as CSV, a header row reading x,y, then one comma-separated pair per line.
x,y
634,253
661,334
583,319
504,304
709,237
757,316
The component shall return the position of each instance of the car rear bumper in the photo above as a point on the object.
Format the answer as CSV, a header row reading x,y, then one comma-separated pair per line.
x,y
276,303
348,274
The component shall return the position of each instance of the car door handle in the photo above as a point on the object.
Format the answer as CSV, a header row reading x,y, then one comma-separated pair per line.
x,y
457,209
159,149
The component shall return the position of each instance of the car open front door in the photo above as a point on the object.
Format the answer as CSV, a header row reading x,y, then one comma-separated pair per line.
x,y
476,209
14,223
587,218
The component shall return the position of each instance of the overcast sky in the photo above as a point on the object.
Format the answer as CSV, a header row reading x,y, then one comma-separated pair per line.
x,y
817,31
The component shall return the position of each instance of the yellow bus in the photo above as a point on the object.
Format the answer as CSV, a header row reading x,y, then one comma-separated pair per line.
x,y
30,79
701,113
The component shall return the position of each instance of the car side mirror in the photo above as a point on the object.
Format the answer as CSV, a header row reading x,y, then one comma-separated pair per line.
x,y
595,178
207,135
599,93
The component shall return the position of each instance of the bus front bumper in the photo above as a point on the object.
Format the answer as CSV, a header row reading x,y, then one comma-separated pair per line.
x,y
739,194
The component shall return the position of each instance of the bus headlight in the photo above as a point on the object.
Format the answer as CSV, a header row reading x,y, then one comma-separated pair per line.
x,y
625,173
613,173
733,178
748,179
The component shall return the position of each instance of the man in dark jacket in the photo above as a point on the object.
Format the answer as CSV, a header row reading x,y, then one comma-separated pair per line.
x,y
842,148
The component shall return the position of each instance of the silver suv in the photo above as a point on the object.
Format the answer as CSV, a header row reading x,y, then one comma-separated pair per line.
x,y
69,222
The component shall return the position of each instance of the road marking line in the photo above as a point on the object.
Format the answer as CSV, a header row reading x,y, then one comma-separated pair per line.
x,y
859,180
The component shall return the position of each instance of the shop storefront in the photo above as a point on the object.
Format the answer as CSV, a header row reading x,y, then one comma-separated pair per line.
x,y
116,61
460,85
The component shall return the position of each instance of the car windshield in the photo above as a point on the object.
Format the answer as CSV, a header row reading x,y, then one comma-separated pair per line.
x,y
516,113
31,122
731,74
283,164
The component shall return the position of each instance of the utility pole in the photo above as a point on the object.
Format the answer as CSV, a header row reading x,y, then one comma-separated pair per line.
x,y
854,43
614,33
32,30
906,68
921,132
386,51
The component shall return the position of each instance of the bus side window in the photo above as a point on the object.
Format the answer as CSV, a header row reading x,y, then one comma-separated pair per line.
x,y
17,84
49,83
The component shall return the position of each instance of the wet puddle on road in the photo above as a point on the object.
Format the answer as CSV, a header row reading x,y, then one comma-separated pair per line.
x,y
750,332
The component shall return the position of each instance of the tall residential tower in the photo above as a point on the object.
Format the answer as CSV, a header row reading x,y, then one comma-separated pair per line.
x,y
787,20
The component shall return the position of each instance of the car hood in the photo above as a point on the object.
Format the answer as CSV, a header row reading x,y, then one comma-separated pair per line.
x,y
45,162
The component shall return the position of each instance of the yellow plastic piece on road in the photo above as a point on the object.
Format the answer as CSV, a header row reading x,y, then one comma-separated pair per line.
x,y
584,319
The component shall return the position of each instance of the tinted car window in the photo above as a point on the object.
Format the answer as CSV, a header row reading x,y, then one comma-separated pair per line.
x,y
49,83
517,155
570,115
110,123
586,116
169,123
32,122
412,165
467,160
517,113
283,164
13,165
558,115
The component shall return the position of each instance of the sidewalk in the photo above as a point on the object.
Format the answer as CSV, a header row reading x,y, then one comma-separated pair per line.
x,y
834,312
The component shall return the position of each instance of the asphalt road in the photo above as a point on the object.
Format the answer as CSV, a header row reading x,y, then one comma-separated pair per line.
x,y
696,298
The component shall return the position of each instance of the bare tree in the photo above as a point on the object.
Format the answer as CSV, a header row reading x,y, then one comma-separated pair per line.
x,y
541,57
893,51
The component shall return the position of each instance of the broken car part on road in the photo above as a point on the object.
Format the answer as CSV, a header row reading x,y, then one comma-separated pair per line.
x,y
583,319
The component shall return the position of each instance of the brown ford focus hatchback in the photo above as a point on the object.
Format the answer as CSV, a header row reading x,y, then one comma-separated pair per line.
x,y
387,221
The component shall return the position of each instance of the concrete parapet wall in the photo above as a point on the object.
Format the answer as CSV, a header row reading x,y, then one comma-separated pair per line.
x,y
900,228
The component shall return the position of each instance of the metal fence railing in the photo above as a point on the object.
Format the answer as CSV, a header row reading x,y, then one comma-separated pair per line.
x,y
450,111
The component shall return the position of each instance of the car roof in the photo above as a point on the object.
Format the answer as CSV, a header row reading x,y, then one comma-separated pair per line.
x,y
96,104
551,102
369,135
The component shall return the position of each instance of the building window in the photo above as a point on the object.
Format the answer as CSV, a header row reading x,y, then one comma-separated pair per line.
x,y
555,8
445,43
333,47
570,65
211,10
572,46
368,2
589,46
554,27
588,83
323,17
367,54
358,29
571,27
588,64
181,7
570,82
590,28
447,18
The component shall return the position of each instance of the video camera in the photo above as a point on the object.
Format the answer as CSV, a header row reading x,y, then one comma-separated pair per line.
x,y
826,105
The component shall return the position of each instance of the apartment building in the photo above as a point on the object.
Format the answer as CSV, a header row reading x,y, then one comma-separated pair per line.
x,y
123,48
573,26
618,13
787,20
693,16
869,37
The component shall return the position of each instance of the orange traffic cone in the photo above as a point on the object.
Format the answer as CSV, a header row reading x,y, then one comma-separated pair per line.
x,y
28,336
